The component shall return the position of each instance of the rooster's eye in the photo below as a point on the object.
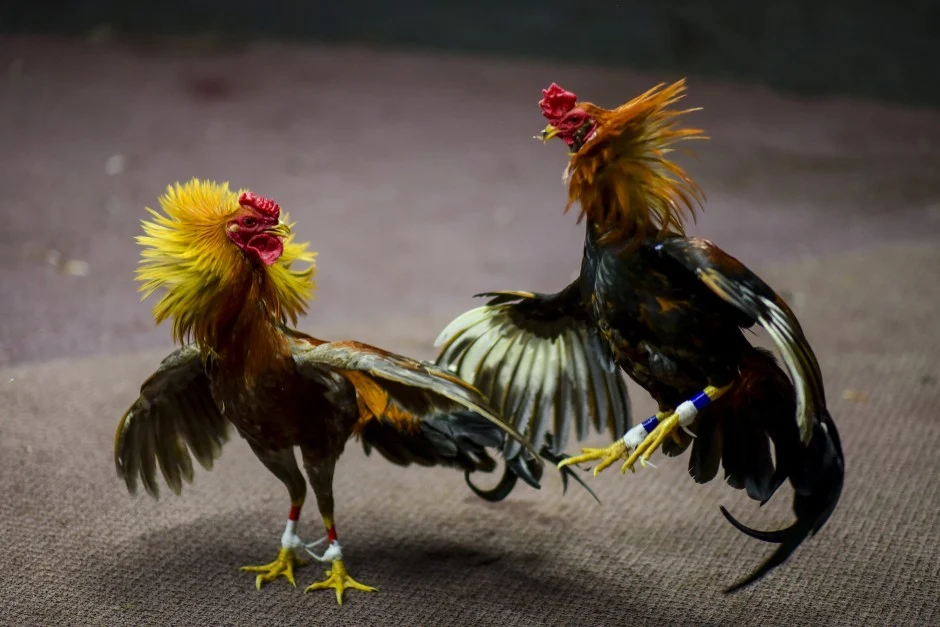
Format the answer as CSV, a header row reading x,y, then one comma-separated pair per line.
x,y
249,222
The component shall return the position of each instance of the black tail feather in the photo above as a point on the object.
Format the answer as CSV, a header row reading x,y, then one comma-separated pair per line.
x,y
775,537
794,536
530,471
497,493
567,472
779,476
817,478
515,469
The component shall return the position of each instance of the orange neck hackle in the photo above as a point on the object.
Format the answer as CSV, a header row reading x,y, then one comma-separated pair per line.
x,y
626,186
215,295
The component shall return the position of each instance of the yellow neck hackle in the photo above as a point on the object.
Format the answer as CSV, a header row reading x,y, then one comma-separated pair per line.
x,y
625,184
208,280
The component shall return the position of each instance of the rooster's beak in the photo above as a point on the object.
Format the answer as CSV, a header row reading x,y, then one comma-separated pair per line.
x,y
281,230
547,133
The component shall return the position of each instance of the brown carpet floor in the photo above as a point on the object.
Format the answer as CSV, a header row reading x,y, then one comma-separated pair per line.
x,y
414,178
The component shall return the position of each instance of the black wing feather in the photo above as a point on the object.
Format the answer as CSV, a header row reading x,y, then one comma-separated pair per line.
x,y
173,415
812,457
450,424
747,293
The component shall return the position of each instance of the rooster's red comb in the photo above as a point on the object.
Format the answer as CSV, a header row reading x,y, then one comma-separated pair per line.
x,y
264,206
556,102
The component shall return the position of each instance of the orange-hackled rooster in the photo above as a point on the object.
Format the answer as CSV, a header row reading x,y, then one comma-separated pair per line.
x,y
227,263
669,311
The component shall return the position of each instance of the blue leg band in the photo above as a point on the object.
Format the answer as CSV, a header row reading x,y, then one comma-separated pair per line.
x,y
701,401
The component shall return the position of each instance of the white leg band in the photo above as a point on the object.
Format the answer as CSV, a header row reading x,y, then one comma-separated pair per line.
x,y
333,552
289,539
686,411
634,437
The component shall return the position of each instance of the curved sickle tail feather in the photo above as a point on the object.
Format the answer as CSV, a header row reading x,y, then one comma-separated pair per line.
x,y
511,473
519,468
817,479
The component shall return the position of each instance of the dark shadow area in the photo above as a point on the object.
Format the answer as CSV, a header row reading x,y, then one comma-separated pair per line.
x,y
146,576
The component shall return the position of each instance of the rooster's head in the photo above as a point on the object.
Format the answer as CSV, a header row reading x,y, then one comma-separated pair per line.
x,y
211,244
619,169
567,121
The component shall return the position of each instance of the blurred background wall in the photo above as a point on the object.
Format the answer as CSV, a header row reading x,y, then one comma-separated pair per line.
x,y
872,48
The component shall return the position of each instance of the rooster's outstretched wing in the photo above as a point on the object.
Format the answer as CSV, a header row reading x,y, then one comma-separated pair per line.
x,y
540,361
173,415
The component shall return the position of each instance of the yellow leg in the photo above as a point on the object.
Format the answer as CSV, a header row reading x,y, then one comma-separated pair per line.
x,y
286,560
337,577
607,455
282,566
668,425
652,442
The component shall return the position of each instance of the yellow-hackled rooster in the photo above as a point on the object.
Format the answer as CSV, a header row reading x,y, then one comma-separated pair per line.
x,y
226,261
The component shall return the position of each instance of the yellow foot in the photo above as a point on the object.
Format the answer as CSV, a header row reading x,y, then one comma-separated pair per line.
x,y
283,566
669,426
666,428
607,456
338,579
637,445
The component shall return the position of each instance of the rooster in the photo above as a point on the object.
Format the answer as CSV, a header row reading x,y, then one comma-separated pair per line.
x,y
670,311
228,264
